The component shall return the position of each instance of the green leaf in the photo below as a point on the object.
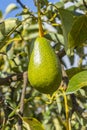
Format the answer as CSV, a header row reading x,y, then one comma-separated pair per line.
x,y
30,31
13,112
77,81
55,37
78,33
59,4
72,71
67,21
1,14
10,8
32,124
44,2
6,27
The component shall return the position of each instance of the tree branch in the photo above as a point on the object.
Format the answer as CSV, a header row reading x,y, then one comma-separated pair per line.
x,y
65,79
25,77
61,53
21,4
85,4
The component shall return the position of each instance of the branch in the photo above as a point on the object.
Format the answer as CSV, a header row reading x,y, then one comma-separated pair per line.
x,y
65,79
25,77
11,78
21,4
85,4
61,53
1,102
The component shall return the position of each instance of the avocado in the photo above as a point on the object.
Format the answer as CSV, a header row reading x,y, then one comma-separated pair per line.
x,y
44,70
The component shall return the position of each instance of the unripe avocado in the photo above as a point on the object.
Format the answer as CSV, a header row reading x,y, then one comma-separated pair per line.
x,y
44,70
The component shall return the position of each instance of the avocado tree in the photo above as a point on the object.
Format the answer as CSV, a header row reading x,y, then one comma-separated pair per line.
x,y
43,66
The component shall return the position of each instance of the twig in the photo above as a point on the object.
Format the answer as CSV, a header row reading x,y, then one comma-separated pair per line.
x,y
66,111
23,92
21,4
61,53
64,85
1,102
65,79
22,100
85,4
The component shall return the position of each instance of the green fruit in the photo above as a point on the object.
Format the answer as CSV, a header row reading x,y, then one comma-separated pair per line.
x,y
44,70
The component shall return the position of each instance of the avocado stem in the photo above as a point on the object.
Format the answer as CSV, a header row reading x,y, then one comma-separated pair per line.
x,y
68,125
41,33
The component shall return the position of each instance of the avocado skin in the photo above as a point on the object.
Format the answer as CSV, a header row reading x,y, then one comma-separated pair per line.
x,y
44,70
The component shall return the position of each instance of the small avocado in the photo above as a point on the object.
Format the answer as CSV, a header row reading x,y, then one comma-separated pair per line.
x,y
44,70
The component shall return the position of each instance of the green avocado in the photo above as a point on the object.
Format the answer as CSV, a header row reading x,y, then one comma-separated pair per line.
x,y
44,70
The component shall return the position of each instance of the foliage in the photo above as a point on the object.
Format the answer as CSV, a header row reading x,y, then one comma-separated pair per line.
x,y
66,28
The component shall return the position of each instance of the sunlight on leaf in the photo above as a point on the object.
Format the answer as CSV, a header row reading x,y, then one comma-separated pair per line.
x,y
6,27
77,81
32,124
10,8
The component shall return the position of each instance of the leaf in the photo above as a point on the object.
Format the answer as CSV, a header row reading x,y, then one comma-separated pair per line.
x,y
72,71
13,112
6,27
78,34
1,14
30,31
59,4
55,37
10,8
44,2
67,21
77,81
32,124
